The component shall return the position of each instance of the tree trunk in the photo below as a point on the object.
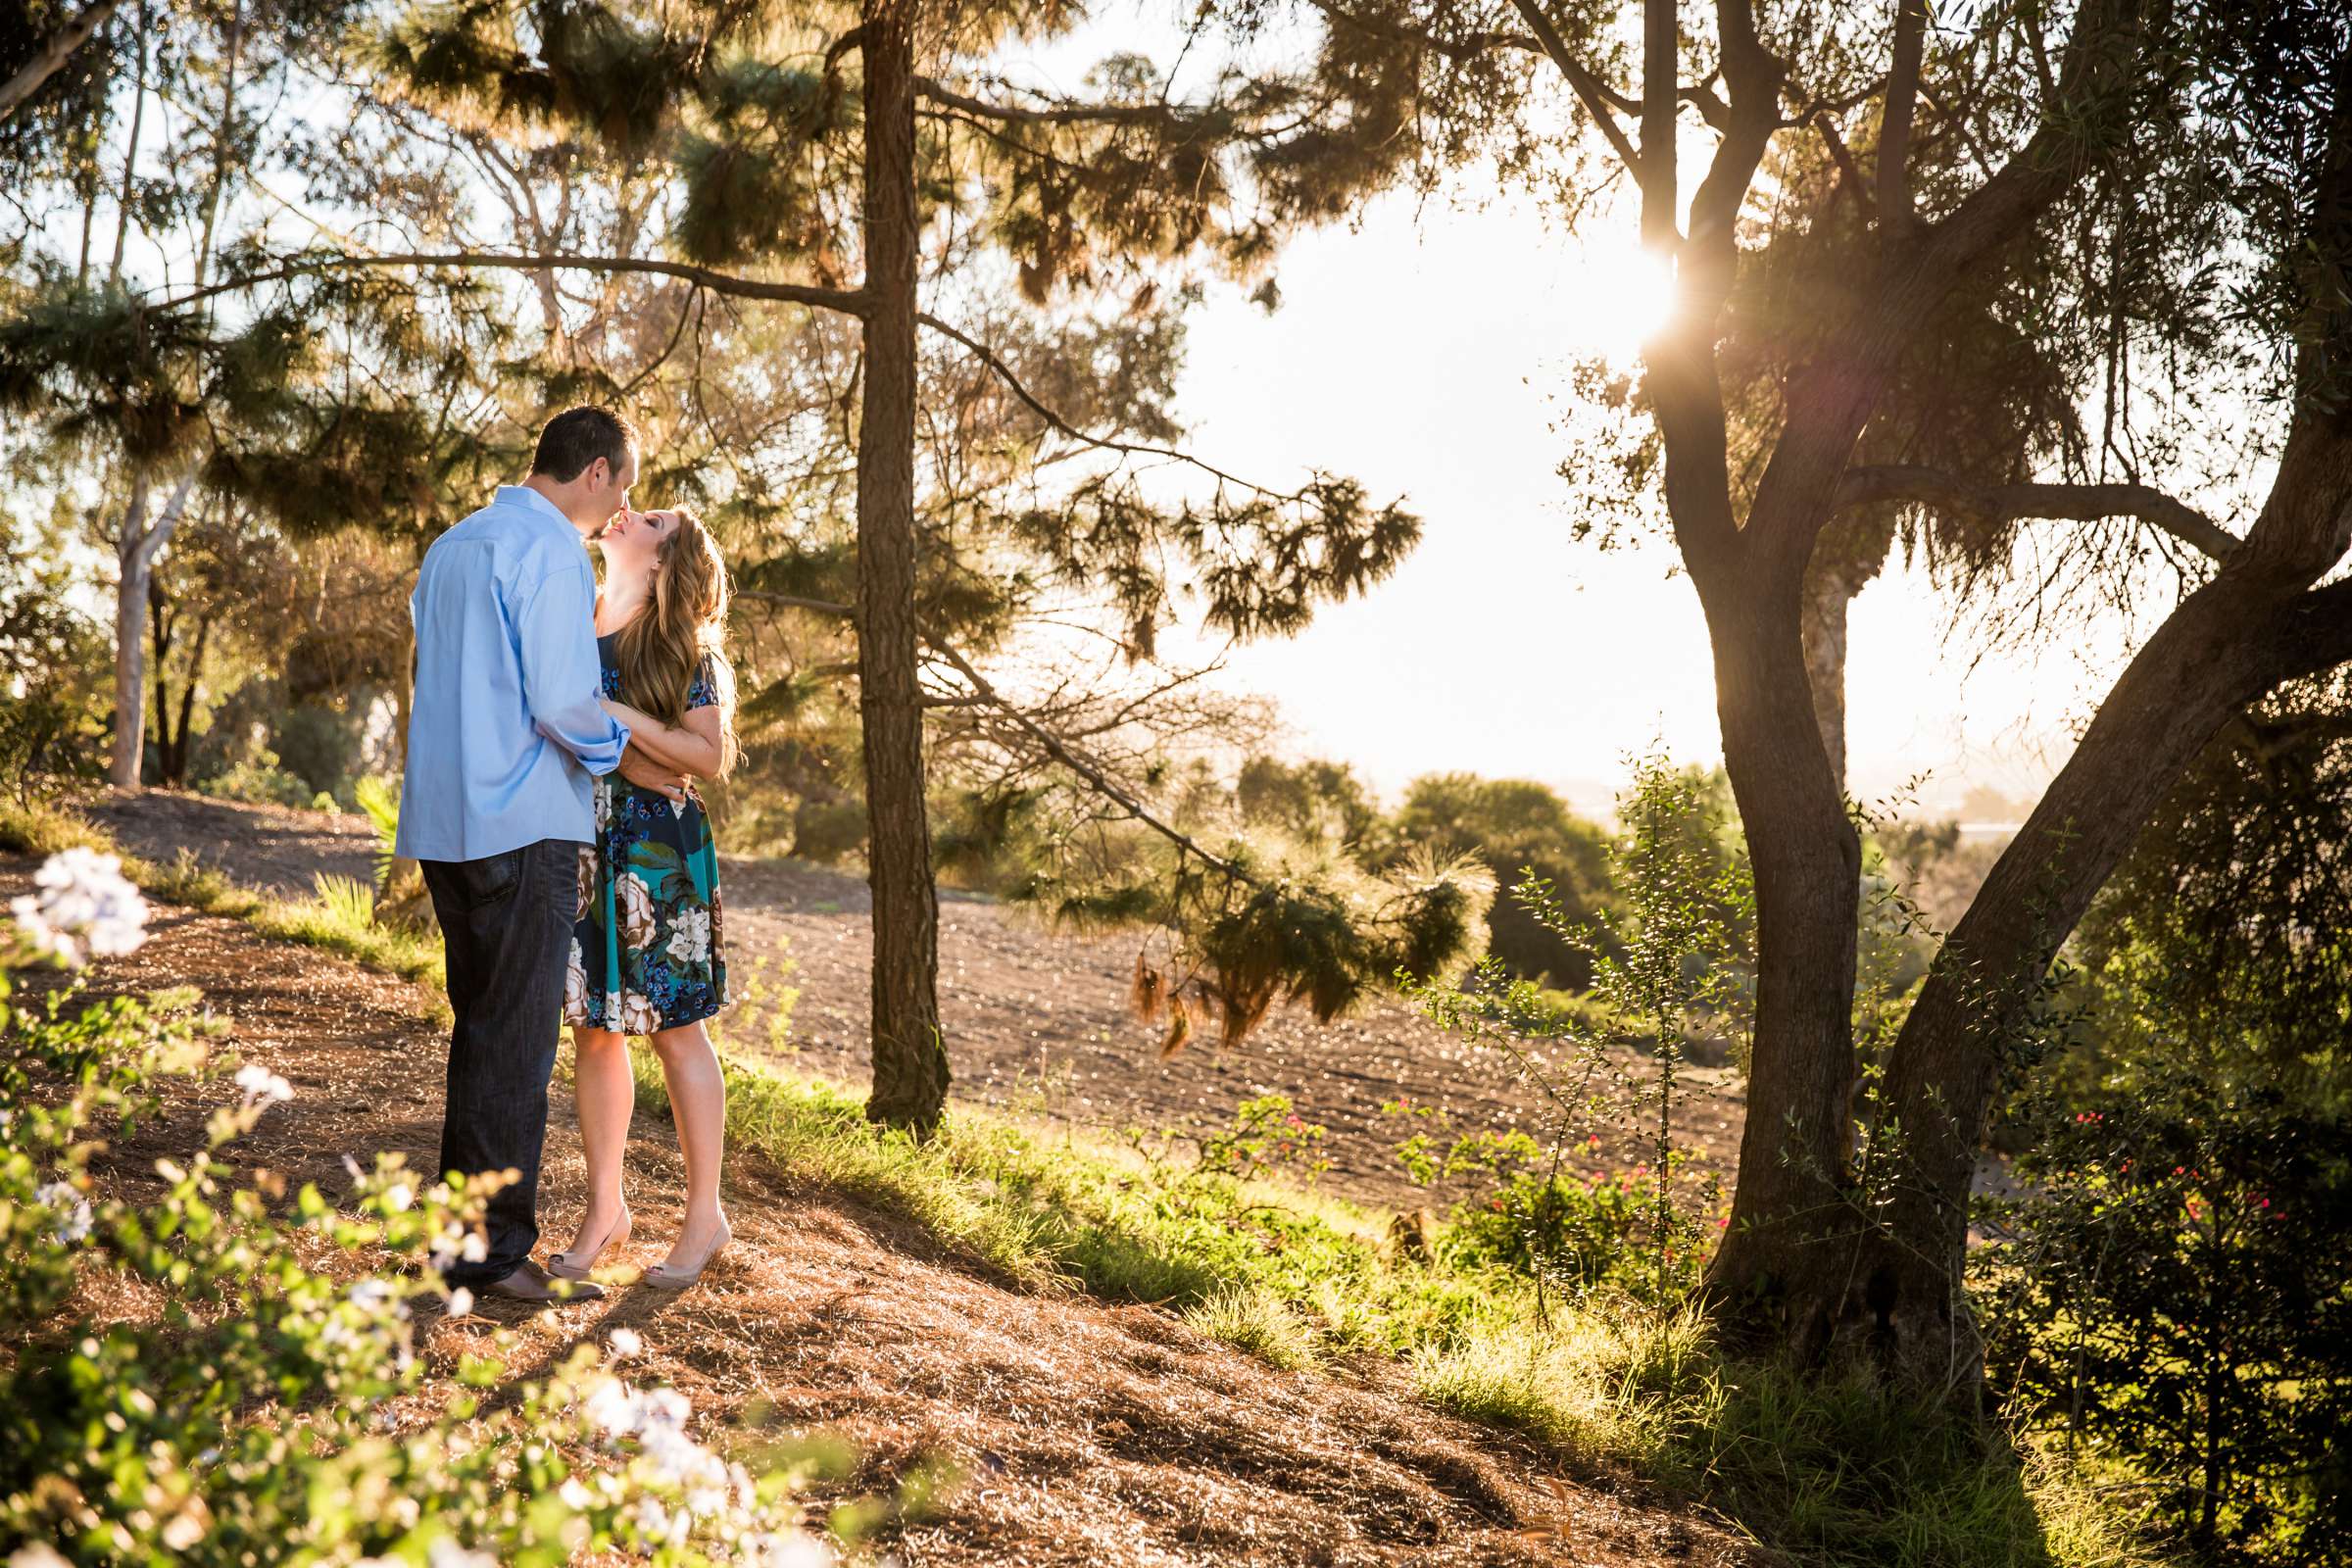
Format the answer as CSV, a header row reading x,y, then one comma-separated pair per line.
x,y
130,663
1807,860
130,159
160,627
911,1060
1845,557
1823,631
135,551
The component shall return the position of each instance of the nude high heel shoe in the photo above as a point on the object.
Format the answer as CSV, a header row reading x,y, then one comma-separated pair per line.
x,y
662,1277
575,1265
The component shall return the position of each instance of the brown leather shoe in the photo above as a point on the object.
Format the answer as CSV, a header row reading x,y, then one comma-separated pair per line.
x,y
531,1283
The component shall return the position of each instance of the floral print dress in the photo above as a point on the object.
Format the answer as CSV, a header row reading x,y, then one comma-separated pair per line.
x,y
647,949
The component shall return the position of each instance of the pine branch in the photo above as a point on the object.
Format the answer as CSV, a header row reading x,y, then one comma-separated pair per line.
x,y
1166,116
985,695
850,302
53,55
1003,372
1086,770
2008,503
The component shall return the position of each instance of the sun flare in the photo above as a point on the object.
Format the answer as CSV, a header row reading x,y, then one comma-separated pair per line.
x,y
1616,298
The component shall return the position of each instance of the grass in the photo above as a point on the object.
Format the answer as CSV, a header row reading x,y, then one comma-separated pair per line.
x,y
339,917
1828,1472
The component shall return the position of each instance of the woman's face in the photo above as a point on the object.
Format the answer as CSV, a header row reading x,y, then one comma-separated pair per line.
x,y
632,541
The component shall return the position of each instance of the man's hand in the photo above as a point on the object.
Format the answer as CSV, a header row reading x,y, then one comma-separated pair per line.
x,y
648,774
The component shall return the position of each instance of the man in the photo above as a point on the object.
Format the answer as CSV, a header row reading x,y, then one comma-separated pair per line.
x,y
504,735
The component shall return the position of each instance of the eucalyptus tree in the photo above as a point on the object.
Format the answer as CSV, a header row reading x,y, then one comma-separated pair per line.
x,y
124,384
799,138
1975,162
38,41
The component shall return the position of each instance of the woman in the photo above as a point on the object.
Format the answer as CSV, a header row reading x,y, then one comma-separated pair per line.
x,y
647,955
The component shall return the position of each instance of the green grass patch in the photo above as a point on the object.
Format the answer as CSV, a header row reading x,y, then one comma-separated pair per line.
x,y
338,917
1831,1473
1826,1472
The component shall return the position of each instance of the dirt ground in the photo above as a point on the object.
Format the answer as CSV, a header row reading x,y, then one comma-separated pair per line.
x,y
1036,1019
1082,1432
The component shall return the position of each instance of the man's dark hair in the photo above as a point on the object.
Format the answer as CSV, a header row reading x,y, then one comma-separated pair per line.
x,y
577,437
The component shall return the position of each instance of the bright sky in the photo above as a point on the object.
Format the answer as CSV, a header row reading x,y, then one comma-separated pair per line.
x,y
1424,354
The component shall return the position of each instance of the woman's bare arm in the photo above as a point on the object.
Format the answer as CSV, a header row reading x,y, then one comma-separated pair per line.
x,y
693,748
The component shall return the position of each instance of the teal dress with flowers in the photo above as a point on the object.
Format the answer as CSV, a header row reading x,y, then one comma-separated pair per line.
x,y
648,949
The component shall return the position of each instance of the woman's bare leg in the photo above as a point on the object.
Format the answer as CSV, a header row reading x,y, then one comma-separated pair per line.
x,y
606,1092
698,1099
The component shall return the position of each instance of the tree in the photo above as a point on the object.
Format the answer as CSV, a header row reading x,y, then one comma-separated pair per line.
x,y
1752,492
43,55
774,166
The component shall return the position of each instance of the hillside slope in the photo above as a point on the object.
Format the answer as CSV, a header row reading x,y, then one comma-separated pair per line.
x,y
1080,1431
1036,1019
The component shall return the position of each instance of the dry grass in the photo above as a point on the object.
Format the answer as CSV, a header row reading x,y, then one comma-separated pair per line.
x,y
989,1422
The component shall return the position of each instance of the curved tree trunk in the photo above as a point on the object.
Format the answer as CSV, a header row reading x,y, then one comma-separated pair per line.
x,y
911,1059
1807,864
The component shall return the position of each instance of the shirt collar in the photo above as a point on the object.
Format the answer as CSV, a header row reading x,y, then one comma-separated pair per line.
x,y
522,495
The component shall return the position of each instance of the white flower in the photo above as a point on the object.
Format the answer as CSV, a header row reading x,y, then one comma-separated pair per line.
x,y
612,1405
781,1551
447,1553
400,1197
576,1497
669,1456
372,1296
690,938
183,1532
460,1301
261,1086
76,1210
653,1520
627,1342
36,1554
665,1407
635,903
82,899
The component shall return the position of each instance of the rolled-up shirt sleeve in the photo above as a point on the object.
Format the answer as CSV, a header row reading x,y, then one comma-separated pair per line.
x,y
561,676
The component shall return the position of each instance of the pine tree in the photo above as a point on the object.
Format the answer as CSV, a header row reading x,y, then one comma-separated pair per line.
x,y
782,163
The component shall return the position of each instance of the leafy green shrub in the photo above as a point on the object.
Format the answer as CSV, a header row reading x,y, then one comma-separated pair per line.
x,y
1581,1233
259,781
238,1409
2175,1286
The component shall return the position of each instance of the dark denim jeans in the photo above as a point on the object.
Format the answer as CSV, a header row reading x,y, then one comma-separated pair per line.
x,y
506,927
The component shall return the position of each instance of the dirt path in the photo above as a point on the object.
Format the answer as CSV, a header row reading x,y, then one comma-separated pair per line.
x,y
1036,1020
1085,1433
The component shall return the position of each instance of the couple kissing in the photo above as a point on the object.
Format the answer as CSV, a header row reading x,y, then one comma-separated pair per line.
x,y
554,738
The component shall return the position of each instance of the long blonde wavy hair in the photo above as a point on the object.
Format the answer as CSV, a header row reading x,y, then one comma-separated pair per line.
x,y
685,623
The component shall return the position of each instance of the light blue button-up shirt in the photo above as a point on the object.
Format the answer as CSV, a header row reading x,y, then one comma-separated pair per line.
x,y
505,730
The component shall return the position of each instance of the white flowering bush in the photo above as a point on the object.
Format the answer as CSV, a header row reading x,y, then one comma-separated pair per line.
x,y
239,1399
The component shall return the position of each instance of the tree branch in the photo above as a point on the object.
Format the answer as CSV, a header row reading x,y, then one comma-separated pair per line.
x,y
1895,124
1003,372
2008,503
1086,770
1583,82
53,55
850,302
1164,116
